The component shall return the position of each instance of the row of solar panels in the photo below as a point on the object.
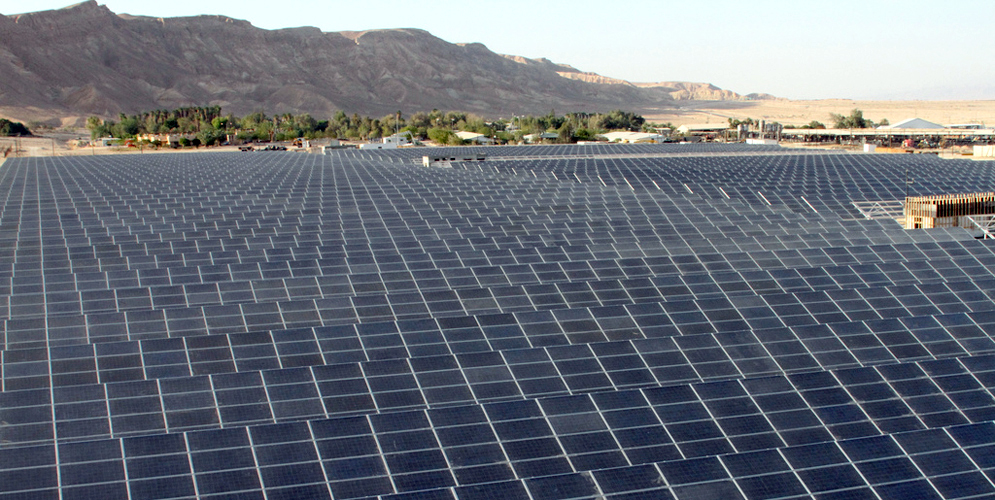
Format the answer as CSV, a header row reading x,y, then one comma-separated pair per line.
x,y
268,302
398,376
547,150
626,442
733,427
64,291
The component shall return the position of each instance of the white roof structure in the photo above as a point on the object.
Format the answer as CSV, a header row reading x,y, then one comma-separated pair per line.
x,y
913,123
702,127
631,137
544,135
399,139
473,136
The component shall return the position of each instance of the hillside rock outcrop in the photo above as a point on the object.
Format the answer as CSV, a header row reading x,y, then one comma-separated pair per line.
x,y
86,60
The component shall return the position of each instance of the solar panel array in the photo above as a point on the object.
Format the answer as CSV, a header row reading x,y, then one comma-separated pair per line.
x,y
353,326
406,155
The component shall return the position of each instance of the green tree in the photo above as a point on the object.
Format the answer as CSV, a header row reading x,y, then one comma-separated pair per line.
x,y
414,132
220,122
619,120
855,120
10,129
305,124
735,123
444,136
584,134
210,136
129,126
565,133
420,120
96,127
253,120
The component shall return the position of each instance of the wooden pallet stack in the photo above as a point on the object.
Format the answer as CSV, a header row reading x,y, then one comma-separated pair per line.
x,y
946,210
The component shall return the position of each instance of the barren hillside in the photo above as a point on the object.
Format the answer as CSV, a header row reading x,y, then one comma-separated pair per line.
x,y
85,60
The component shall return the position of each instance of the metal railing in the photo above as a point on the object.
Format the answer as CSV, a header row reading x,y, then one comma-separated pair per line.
x,y
986,223
882,209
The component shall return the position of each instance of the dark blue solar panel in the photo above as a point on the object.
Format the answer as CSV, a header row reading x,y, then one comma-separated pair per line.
x,y
623,321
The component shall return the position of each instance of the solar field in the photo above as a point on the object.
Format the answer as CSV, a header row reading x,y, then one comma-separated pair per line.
x,y
683,322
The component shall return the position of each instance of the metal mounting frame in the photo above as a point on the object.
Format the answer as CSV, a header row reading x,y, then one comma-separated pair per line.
x,y
881,209
986,223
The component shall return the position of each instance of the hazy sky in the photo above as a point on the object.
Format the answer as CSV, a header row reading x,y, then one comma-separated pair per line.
x,y
870,49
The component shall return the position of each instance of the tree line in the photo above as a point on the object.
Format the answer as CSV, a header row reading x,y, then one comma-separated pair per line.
x,y
855,120
13,129
209,125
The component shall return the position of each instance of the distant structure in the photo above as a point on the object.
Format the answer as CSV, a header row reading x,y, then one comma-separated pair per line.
x,y
445,161
474,137
534,138
984,151
390,142
400,140
321,146
377,145
634,137
909,131
703,130
168,140
761,142
948,210
913,123
692,128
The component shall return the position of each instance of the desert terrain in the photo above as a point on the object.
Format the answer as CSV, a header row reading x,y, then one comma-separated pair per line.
x,y
784,111
791,112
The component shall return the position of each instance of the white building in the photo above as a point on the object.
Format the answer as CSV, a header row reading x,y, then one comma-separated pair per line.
x,y
627,137
164,139
916,123
474,137
761,142
702,128
539,137
390,142
398,139
984,151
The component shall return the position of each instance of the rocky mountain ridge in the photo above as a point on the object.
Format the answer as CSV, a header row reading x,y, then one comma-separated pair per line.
x,y
86,60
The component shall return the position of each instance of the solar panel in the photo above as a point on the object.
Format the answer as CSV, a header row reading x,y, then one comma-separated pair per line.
x,y
603,321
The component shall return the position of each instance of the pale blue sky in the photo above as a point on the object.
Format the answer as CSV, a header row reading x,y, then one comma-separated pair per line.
x,y
870,49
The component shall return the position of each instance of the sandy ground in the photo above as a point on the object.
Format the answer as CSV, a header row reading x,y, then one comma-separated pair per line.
x,y
803,112
57,143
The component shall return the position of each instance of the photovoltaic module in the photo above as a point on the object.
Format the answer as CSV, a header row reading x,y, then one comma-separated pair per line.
x,y
554,322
